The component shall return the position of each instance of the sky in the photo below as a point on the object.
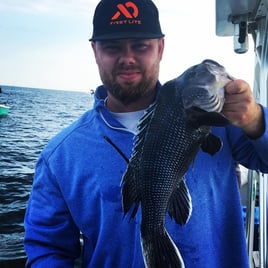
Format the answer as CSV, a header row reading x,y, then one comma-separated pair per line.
x,y
44,43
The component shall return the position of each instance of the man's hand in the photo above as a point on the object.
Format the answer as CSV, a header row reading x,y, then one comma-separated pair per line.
x,y
242,110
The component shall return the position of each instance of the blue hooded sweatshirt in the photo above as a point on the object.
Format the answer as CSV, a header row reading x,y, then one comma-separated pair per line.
x,y
76,191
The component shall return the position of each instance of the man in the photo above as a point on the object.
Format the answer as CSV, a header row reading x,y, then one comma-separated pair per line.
x,y
76,187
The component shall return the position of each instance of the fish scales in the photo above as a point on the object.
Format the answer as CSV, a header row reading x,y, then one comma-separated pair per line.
x,y
171,133
162,159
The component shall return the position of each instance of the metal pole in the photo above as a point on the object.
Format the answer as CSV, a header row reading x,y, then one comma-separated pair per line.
x,y
252,189
260,91
263,222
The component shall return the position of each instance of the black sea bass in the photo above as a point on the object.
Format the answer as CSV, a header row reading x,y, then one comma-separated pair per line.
x,y
171,133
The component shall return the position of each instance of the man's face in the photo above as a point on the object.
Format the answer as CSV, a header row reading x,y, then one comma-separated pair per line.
x,y
129,68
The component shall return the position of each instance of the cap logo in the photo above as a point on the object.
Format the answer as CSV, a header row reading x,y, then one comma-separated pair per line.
x,y
125,9
126,14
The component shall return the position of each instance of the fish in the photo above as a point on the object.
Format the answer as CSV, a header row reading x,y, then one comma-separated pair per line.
x,y
170,134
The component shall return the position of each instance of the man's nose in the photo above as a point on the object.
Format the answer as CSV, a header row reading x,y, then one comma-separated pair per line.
x,y
127,56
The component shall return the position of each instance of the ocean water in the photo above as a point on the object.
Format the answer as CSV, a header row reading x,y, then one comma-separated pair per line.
x,y
35,116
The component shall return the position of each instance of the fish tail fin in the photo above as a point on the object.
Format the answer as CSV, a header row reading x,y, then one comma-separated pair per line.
x,y
160,251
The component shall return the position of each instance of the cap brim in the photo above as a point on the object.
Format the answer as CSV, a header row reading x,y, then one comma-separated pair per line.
x,y
127,35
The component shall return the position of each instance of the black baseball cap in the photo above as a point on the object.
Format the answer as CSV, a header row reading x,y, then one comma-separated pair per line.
x,y
122,19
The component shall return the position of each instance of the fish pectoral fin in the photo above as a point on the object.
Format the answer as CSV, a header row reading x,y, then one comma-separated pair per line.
x,y
212,144
130,193
214,119
180,204
197,117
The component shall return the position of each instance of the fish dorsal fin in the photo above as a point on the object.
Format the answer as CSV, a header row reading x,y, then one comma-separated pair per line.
x,y
211,144
180,204
130,193
130,180
142,130
146,118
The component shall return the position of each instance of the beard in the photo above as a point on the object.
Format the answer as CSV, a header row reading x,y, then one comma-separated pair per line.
x,y
130,92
